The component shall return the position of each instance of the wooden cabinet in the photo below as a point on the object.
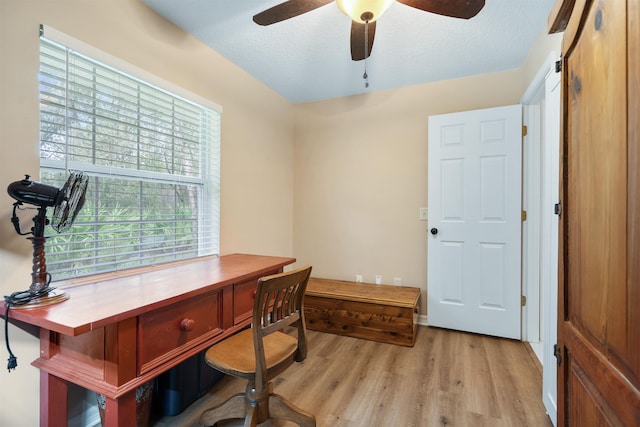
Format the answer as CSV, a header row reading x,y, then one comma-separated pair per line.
x,y
599,268
114,335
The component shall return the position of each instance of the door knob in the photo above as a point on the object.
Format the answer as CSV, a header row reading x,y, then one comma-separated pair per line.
x,y
434,231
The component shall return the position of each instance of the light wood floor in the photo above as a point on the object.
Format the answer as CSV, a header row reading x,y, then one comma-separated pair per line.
x,y
447,379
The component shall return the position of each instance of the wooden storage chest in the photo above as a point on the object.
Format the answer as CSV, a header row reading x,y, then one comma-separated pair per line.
x,y
382,313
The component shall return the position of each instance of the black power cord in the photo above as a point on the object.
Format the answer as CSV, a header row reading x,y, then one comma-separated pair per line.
x,y
20,298
12,363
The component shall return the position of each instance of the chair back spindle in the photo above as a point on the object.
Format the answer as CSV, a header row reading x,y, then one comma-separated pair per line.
x,y
279,304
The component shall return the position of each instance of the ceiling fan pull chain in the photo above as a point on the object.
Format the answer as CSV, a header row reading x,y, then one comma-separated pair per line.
x,y
365,76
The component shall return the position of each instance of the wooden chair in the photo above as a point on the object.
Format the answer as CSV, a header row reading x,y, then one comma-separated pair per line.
x,y
264,351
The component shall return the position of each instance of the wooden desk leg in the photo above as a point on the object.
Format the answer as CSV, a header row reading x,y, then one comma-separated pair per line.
x,y
121,412
53,400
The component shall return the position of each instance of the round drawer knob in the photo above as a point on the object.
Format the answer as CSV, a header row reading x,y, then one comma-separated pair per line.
x,y
187,325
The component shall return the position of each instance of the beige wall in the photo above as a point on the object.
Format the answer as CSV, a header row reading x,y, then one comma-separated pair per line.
x,y
545,45
257,143
361,172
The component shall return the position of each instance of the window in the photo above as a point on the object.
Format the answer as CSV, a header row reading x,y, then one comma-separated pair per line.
x,y
153,161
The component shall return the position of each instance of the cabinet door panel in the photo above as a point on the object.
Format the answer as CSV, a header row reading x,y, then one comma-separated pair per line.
x,y
599,296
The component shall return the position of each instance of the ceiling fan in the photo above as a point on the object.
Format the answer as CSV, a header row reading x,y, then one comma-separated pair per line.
x,y
364,14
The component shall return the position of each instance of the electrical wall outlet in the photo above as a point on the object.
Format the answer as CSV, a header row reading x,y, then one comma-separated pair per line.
x,y
359,278
397,281
378,279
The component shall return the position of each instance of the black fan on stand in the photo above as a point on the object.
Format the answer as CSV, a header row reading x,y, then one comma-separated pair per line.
x,y
66,202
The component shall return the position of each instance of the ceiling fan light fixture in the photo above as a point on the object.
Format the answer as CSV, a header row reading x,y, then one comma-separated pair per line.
x,y
362,11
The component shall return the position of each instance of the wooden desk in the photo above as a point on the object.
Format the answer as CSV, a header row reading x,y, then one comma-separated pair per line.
x,y
116,334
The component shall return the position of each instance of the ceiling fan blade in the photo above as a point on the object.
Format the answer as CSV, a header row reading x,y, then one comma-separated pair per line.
x,y
286,10
464,9
357,40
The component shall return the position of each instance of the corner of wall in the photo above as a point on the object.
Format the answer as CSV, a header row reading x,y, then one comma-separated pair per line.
x,y
544,45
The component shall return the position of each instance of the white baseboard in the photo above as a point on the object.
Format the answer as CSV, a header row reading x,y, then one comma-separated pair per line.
x,y
422,320
537,348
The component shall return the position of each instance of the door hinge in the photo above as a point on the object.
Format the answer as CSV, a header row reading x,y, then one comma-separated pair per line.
x,y
524,216
557,209
557,353
558,65
524,130
523,300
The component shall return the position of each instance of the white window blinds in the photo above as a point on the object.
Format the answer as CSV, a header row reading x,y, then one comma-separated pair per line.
x,y
153,159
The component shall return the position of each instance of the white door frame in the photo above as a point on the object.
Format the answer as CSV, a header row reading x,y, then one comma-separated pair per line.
x,y
532,183
539,278
532,118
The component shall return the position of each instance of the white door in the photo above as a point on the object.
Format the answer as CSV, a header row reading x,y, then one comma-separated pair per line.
x,y
549,270
474,249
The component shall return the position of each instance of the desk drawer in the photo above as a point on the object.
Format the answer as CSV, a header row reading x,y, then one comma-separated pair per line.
x,y
167,332
244,295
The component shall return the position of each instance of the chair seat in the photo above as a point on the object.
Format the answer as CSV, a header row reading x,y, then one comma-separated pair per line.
x,y
261,353
236,355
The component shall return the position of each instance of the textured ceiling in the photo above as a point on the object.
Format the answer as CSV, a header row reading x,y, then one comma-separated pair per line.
x,y
307,58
